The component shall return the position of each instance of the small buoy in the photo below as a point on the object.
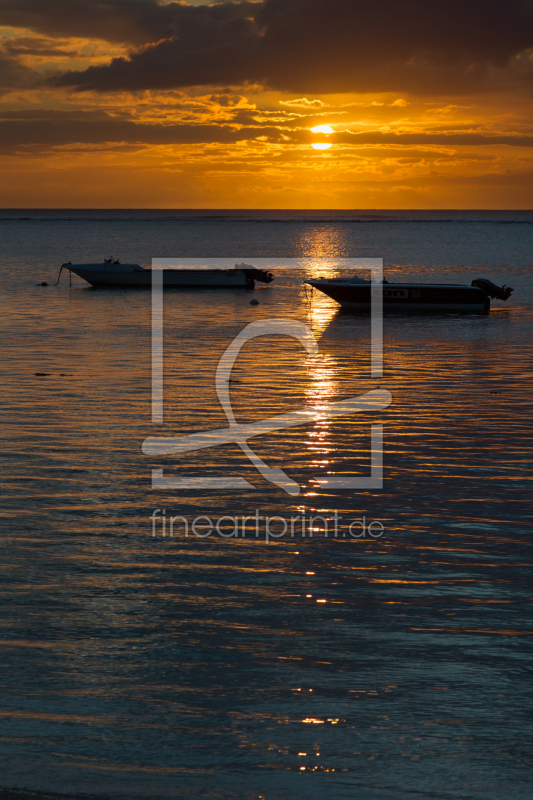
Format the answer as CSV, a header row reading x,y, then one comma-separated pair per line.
x,y
43,284
254,302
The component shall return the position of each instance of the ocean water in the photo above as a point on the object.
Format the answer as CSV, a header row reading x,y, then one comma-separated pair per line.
x,y
371,667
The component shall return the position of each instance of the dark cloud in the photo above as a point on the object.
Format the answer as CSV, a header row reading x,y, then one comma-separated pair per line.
x,y
135,22
321,46
129,21
14,75
429,138
36,46
37,115
42,130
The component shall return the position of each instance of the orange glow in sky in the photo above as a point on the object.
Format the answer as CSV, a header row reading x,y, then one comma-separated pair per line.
x,y
112,110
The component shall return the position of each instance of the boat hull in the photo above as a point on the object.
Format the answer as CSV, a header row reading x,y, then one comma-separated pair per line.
x,y
406,297
171,278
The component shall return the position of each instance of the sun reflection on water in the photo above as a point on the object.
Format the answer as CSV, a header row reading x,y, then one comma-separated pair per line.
x,y
321,389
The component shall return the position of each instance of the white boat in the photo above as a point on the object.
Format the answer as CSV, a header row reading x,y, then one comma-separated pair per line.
x,y
110,273
355,294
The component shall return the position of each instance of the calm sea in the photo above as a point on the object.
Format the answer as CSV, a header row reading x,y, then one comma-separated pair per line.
x,y
148,666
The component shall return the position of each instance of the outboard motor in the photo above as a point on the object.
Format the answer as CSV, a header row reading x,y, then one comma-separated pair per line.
x,y
253,274
490,289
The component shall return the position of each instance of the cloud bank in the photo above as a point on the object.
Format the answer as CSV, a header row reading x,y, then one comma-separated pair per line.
x,y
320,46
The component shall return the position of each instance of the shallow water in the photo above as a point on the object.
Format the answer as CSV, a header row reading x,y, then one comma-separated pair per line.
x,y
151,666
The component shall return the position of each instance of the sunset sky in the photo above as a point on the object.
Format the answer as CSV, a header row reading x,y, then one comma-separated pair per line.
x,y
139,103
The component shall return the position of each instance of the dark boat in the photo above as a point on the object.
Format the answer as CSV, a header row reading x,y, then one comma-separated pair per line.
x,y
355,294
111,273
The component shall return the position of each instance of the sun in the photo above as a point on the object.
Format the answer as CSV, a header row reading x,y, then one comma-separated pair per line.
x,y
322,129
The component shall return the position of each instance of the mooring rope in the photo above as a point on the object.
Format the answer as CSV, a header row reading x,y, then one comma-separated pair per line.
x,y
69,264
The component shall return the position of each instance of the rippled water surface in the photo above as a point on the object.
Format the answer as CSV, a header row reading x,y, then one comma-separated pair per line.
x,y
146,666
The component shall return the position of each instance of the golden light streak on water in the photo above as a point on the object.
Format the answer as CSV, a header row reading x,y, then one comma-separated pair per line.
x,y
108,634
